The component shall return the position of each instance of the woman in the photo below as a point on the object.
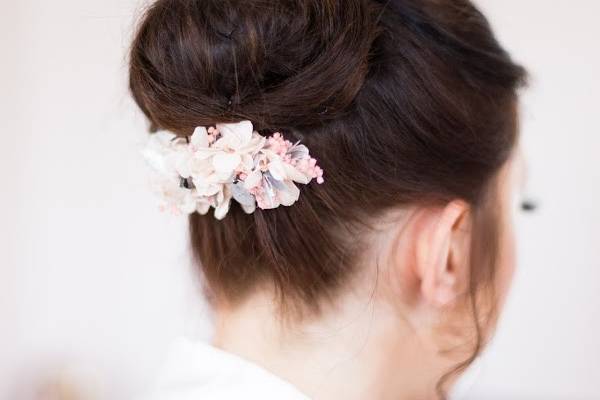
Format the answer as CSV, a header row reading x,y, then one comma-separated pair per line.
x,y
348,167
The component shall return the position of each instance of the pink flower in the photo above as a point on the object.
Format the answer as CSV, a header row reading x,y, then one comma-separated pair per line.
x,y
236,147
230,161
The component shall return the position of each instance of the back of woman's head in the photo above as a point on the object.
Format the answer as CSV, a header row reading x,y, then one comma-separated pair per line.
x,y
402,102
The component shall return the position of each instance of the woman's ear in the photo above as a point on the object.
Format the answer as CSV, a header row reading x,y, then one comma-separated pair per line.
x,y
442,259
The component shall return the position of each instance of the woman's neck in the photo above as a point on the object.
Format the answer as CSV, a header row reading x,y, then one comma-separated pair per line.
x,y
358,351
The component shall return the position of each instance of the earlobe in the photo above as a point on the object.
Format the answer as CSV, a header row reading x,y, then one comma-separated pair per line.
x,y
442,249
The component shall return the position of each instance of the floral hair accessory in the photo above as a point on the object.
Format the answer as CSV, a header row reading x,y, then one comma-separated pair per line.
x,y
228,161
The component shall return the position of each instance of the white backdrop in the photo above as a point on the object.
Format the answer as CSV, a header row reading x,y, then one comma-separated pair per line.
x,y
95,283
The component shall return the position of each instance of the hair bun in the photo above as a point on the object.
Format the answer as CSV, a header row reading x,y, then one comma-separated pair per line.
x,y
279,63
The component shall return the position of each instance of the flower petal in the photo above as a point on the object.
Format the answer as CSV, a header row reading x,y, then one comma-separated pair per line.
x,y
298,151
225,164
242,195
249,208
208,190
296,175
159,154
200,168
290,195
254,145
253,179
277,169
200,137
235,135
223,203
187,204
268,196
183,163
203,206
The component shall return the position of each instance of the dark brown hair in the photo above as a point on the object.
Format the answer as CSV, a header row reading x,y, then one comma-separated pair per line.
x,y
401,102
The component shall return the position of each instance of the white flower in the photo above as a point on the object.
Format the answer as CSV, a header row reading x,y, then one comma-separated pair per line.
x,y
203,204
284,171
229,161
222,201
271,192
175,199
160,155
189,154
238,144
195,162
244,197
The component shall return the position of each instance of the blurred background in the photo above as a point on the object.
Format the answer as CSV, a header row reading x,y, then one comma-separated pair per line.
x,y
95,283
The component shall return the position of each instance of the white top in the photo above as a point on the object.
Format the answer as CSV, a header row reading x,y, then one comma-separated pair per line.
x,y
199,371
